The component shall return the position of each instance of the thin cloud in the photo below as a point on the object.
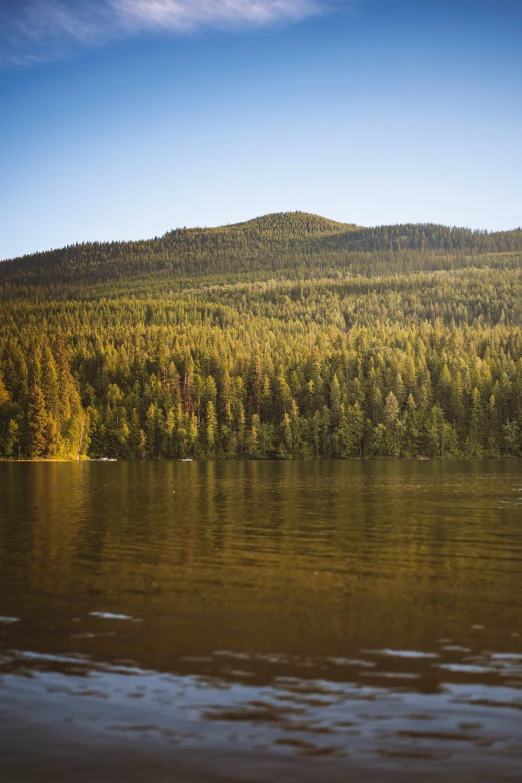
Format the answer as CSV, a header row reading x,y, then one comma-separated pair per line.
x,y
40,30
181,15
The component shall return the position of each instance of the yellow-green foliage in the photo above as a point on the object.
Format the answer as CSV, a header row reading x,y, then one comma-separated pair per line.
x,y
290,336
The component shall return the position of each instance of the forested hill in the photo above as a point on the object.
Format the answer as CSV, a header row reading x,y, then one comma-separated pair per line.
x,y
288,337
291,245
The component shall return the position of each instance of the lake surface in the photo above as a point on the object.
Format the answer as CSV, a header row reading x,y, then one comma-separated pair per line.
x,y
266,621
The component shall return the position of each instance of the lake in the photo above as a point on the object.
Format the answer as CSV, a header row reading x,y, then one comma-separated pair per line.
x,y
261,621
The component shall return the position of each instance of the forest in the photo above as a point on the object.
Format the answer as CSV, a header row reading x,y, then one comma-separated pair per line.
x,y
286,337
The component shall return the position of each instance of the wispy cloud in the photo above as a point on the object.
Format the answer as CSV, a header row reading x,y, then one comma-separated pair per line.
x,y
38,30
181,15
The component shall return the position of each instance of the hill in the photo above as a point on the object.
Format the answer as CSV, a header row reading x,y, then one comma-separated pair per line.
x,y
291,245
288,336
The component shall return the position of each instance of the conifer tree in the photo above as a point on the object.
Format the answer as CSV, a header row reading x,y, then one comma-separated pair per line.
x,y
37,424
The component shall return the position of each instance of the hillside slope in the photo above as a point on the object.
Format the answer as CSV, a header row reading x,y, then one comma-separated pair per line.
x,y
291,245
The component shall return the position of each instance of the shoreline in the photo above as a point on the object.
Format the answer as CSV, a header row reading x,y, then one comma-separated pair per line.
x,y
497,458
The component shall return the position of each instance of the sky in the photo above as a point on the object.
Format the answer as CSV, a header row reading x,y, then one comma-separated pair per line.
x,y
124,119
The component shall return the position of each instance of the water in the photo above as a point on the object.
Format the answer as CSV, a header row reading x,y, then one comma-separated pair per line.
x,y
261,621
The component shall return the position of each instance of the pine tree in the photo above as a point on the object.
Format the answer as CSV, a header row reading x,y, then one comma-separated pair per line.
x,y
37,424
211,426
335,399
392,424
474,439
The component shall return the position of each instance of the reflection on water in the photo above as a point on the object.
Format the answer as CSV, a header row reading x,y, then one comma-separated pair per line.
x,y
288,619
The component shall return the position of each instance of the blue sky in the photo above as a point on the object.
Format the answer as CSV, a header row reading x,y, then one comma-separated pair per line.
x,y
123,119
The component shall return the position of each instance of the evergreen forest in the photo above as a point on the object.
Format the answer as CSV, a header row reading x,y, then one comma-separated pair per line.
x,y
290,337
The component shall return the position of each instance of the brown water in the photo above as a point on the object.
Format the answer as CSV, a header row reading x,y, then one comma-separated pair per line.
x,y
261,621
